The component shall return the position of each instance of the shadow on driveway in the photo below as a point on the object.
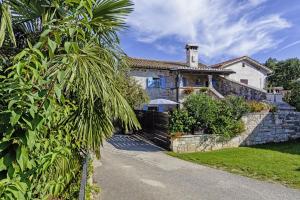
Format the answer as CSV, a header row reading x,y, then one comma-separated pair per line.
x,y
131,143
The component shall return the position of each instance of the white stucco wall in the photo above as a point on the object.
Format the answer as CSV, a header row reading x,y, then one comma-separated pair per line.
x,y
255,76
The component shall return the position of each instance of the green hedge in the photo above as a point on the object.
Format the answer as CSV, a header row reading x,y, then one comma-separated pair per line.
x,y
181,121
222,117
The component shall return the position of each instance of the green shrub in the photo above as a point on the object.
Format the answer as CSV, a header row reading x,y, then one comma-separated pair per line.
x,y
181,122
239,127
203,89
220,117
293,97
203,109
273,109
237,106
256,106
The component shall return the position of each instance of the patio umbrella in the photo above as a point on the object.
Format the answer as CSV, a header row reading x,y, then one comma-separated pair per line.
x,y
162,102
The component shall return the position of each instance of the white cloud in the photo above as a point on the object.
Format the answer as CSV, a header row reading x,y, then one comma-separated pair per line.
x,y
169,49
220,27
289,45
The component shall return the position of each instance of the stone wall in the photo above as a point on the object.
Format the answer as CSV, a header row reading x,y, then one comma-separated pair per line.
x,y
230,87
261,128
169,92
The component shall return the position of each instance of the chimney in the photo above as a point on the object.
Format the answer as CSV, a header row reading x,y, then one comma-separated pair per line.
x,y
192,55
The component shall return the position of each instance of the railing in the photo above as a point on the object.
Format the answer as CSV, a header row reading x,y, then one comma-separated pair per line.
x,y
186,91
84,178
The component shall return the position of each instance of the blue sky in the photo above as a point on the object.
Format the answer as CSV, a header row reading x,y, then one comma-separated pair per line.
x,y
223,29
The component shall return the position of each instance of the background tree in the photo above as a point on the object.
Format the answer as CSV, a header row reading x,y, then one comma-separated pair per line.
x,y
293,97
284,72
132,91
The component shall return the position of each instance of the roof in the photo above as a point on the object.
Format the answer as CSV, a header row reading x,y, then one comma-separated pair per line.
x,y
174,66
227,63
146,63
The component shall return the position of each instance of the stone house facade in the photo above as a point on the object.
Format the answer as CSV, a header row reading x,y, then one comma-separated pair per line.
x,y
174,81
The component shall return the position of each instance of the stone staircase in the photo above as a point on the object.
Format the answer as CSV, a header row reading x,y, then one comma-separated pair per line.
x,y
283,106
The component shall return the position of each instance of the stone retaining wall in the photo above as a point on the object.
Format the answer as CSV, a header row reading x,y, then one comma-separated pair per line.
x,y
230,87
261,128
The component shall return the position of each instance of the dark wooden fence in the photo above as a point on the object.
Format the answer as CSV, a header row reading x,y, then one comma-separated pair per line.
x,y
155,127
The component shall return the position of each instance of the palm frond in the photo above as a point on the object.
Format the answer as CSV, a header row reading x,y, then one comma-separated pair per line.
x,y
111,13
6,24
90,76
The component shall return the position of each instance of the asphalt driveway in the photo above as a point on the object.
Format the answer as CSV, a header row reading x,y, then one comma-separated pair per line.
x,y
131,169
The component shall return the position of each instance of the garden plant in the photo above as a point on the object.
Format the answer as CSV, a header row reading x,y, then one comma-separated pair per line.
x,y
60,62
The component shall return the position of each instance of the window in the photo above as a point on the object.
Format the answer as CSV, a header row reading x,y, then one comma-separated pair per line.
x,y
243,64
153,82
183,82
199,82
156,82
245,81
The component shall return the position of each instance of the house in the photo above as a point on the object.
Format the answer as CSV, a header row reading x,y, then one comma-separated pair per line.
x,y
174,81
247,71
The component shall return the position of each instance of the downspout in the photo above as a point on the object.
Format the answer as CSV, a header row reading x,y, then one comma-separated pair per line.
x,y
177,88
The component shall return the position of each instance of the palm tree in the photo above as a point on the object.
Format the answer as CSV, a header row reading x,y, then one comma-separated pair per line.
x,y
93,74
68,56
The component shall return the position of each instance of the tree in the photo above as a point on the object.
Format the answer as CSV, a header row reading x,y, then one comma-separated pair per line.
x,y
132,91
284,72
59,94
221,117
271,63
293,97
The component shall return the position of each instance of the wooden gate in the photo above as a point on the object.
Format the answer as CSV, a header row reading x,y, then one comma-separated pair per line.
x,y
155,127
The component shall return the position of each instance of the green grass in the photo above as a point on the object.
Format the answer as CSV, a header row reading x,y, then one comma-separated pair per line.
x,y
272,162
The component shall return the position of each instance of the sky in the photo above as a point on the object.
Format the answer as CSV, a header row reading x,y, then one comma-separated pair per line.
x,y
223,29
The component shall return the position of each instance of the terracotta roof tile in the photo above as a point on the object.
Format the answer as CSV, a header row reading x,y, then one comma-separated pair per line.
x,y
145,63
170,65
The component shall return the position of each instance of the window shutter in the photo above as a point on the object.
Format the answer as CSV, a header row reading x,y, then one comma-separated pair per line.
x,y
163,82
183,82
149,82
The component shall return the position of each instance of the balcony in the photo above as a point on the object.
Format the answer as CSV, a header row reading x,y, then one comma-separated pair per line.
x,y
186,91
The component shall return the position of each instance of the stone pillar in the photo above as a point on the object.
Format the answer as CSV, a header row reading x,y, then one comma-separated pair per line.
x,y
210,83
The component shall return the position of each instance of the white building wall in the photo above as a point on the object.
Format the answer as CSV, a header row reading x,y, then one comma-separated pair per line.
x,y
255,76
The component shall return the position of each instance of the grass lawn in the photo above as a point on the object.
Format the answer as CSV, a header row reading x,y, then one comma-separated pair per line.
x,y
272,162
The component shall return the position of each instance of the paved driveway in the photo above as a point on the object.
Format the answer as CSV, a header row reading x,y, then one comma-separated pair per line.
x,y
131,169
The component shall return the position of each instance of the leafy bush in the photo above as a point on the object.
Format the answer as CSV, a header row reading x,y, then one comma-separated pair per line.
x,y
237,105
217,116
180,121
293,97
59,96
203,89
256,106
203,109
132,91
273,109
